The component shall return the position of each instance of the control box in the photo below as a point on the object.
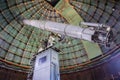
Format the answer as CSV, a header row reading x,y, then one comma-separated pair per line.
x,y
46,65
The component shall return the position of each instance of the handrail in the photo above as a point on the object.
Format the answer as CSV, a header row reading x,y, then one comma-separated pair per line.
x,y
15,64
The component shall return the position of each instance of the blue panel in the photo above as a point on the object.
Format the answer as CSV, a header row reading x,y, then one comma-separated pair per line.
x,y
43,59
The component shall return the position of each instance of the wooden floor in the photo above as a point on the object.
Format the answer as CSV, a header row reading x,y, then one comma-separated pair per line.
x,y
6,74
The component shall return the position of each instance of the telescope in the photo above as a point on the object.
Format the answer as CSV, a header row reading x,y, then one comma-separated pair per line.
x,y
95,32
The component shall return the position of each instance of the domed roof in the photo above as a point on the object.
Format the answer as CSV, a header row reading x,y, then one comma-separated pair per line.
x,y
19,42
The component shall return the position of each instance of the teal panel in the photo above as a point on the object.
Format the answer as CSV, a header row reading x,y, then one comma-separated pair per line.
x,y
25,61
9,56
2,53
17,59
19,52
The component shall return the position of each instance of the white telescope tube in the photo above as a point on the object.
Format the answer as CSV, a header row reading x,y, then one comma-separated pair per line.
x,y
91,24
95,25
63,29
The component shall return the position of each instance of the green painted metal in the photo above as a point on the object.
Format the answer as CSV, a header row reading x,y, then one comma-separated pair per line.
x,y
68,12
18,42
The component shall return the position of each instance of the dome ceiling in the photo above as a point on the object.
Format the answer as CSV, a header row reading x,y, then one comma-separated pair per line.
x,y
18,42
